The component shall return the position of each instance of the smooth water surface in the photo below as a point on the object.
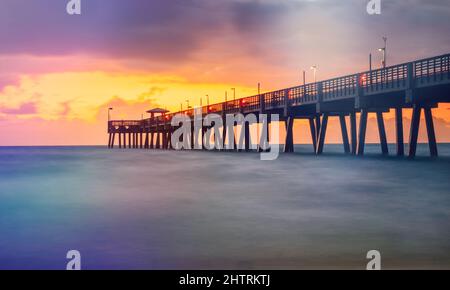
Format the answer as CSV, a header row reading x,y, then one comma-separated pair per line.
x,y
142,209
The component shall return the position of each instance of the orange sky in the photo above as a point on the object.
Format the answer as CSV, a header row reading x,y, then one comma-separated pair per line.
x,y
60,73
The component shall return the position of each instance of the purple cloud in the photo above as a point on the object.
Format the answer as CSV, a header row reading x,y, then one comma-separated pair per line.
x,y
274,31
157,29
24,109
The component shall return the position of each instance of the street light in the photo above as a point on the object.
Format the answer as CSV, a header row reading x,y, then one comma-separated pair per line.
x,y
234,93
314,68
383,51
187,103
109,114
207,100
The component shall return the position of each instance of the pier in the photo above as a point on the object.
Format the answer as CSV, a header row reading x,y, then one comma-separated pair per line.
x,y
419,85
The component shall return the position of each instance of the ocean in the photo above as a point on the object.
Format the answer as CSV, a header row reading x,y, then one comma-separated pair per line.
x,y
149,209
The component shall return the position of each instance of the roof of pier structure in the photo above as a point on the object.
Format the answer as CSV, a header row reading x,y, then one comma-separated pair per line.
x,y
157,111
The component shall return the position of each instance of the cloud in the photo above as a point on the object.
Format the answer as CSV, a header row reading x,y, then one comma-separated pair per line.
x,y
8,79
125,109
164,30
23,109
270,37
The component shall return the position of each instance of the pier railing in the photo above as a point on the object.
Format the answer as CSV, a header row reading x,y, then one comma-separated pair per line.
x,y
432,70
338,88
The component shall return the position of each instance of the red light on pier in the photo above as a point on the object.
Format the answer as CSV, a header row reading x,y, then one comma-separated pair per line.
x,y
362,79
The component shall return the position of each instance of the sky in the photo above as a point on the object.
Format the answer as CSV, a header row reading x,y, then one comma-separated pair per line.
x,y
59,73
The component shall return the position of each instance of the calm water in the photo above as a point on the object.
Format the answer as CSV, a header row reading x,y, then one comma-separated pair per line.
x,y
181,210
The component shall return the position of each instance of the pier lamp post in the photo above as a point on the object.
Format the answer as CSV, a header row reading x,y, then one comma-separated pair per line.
x,y
383,51
109,114
314,68
234,93
207,104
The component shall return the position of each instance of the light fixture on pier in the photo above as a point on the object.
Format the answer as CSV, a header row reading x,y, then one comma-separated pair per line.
x,y
383,51
314,68
109,113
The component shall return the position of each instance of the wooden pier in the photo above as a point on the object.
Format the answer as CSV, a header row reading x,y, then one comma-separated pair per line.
x,y
419,85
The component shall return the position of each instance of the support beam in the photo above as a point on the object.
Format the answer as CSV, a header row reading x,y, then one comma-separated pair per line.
x,y
224,132
146,145
167,140
344,134
158,141
164,139
353,132
247,138
168,136
322,134
414,131
264,142
141,143
204,129
235,141
312,128
109,140
431,134
317,126
382,132
120,140
152,140
192,145
129,140
289,143
362,132
399,131
113,139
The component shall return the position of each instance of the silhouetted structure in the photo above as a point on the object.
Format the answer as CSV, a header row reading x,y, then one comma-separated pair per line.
x,y
420,85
